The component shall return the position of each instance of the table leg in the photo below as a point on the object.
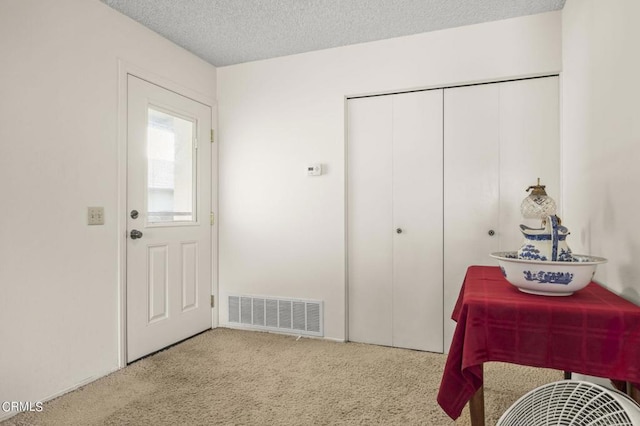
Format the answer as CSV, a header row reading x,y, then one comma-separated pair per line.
x,y
476,408
628,388
633,392
619,385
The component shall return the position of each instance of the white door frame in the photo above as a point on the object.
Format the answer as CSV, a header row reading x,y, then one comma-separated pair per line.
x,y
124,69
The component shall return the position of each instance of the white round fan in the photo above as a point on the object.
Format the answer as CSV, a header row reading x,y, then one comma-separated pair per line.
x,y
572,403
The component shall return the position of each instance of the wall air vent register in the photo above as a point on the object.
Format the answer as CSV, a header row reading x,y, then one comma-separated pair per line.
x,y
296,316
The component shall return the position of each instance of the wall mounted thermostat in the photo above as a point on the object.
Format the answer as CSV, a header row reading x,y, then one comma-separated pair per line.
x,y
314,169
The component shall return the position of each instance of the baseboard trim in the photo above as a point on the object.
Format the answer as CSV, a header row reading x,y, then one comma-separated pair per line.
x,y
233,326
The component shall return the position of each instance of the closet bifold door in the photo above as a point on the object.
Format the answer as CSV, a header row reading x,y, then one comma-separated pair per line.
x,y
394,220
369,219
417,213
471,186
498,139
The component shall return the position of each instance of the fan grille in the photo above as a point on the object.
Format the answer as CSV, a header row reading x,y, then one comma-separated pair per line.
x,y
567,403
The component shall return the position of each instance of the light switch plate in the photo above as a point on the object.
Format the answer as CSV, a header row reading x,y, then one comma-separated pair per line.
x,y
95,215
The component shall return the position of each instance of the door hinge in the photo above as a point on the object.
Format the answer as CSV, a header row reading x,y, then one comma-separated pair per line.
x,y
211,135
213,301
212,218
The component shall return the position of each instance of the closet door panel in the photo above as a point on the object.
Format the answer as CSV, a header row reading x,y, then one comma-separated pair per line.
x,y
417,220
529,149
471,186
369,218
498,139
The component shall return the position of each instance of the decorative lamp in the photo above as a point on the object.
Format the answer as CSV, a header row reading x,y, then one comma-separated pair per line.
x,y
538,205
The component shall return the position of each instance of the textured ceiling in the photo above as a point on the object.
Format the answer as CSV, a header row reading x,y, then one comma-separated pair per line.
x,y
226,32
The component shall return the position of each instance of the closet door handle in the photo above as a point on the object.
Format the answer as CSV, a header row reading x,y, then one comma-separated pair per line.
x,y
398,230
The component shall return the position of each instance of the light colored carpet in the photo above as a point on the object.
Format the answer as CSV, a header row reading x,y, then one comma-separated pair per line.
x,y
233,377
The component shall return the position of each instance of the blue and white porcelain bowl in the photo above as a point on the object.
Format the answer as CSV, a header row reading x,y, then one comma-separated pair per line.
x,y
548,278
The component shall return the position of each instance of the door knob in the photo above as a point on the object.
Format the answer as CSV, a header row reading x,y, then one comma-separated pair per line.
x,y
134,214
491,232
135,234
398,230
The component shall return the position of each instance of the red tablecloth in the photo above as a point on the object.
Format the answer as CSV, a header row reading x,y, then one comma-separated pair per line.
x,y
593,331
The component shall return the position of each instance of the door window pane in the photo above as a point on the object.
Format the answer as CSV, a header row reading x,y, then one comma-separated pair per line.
x,y
170,168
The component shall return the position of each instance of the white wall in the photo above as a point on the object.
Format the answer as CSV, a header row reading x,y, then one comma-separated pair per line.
x,y
601,136
59,296
283,233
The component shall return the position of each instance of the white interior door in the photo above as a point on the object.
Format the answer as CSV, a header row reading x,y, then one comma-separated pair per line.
x,y
417,221
498,139
370,220
168,218
395,220
471,186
